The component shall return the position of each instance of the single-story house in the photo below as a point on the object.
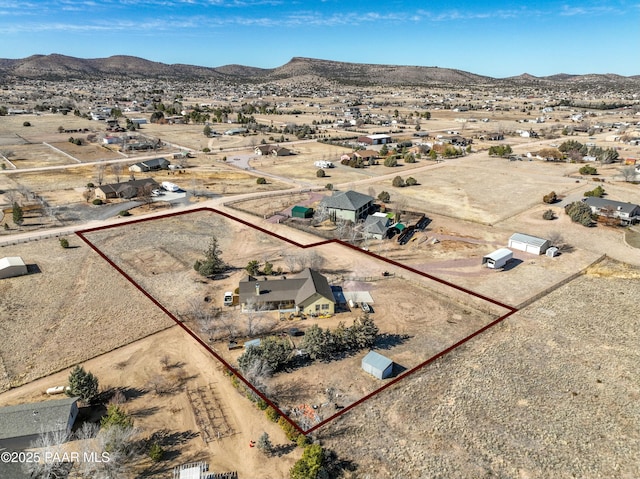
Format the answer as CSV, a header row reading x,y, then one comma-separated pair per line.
x,y
127,189
378,139
628,213
347,205
150,165
377,365
307,292
22,424
271,150
528,243
498,259
12,266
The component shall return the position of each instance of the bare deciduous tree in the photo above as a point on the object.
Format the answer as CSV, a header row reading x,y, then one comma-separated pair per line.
x,y
116,170
629,173
99,175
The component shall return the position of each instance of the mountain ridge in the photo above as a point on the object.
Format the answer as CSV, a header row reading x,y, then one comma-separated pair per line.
x,y
62,67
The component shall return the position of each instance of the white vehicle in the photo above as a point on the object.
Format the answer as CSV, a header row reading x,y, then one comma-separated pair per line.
x,y
228,298
167,185
323,164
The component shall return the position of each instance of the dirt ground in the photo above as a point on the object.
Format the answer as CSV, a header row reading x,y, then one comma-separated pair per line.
x,y
193,373
548,393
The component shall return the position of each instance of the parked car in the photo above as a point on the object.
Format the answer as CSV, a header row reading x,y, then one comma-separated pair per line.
x,y
365,307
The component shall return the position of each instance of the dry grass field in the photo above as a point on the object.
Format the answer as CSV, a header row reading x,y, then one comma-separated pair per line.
x,y
159,255
548,393
72,307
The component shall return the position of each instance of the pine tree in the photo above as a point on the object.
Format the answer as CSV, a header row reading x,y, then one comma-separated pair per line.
x,y
83,384
264,444
18,214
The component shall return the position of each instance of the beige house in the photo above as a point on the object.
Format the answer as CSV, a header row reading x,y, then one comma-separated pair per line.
x,y
307,292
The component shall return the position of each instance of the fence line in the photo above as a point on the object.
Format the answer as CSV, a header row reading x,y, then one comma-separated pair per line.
x,y
548,290
15,241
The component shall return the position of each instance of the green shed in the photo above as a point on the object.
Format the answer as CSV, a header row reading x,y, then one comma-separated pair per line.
x,y
301,212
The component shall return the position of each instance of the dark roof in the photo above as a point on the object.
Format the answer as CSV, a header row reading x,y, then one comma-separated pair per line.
x,y
601,203
154,163
118,188
35,418
298,288
347,200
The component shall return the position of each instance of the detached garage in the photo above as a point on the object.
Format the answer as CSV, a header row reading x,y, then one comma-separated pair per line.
x,y
12,266
529,244
301,212
498,259
377,365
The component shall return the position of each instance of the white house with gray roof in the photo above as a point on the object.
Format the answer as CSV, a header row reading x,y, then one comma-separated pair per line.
x,y
347,205
628,213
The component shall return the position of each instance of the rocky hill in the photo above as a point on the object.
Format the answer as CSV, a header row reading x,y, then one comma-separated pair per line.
x,y
60,67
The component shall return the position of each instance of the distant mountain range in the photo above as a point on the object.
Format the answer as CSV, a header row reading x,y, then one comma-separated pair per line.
x,y
60,67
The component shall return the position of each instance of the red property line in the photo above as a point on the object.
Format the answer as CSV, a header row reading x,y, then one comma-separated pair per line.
x,y
510,309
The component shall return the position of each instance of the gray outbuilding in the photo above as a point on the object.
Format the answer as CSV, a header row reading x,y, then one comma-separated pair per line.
x,y
498,259
11,266
22,424
377,365
528,243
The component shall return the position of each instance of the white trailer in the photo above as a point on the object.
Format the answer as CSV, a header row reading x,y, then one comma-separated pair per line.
x,y
167,185
498,259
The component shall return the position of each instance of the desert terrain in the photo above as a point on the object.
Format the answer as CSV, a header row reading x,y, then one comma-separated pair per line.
x,y
548,392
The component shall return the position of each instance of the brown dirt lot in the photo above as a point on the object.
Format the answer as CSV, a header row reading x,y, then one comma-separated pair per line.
x,y
135,367
548,393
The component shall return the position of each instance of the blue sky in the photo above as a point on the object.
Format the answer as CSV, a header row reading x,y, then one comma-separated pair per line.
x,y
497,38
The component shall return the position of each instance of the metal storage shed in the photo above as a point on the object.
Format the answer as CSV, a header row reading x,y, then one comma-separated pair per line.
x,y
528,244
301,212
12,266
377,365
498,259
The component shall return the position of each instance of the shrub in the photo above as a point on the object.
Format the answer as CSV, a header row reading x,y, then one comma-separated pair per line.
x,y
261,181
598,192
64,242
588,170
409,158
548,215
390,161
384,197
289,429
97,202
206,149
398,182
271,414
124,213
329,186
411,181
90,185
550,198
320,173
156,452
26,123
